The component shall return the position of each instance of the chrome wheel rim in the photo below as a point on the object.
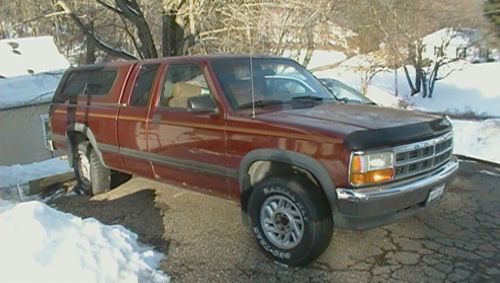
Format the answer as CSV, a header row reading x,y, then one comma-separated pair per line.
x,y
84,166
282,222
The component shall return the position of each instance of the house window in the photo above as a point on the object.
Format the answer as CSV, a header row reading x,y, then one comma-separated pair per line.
x,y
47,135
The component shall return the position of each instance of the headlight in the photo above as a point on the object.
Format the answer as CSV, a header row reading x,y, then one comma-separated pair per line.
x,y
371,168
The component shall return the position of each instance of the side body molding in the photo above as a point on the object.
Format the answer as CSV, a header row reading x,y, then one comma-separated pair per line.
x,y
87,132
299,160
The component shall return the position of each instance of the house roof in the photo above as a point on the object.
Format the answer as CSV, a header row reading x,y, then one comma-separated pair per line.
x,y
30,55
28,90
27,75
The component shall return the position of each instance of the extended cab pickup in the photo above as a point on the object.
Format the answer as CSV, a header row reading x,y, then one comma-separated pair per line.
x,y
260,130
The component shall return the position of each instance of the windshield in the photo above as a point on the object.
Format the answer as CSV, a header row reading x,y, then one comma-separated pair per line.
x,y
276,81
342,91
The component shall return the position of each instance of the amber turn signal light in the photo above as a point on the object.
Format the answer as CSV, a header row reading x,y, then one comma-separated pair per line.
x,y
371,177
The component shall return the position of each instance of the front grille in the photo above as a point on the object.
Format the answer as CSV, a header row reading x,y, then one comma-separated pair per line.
x,y
423,156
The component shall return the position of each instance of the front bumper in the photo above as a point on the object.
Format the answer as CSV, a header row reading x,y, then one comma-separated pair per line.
x,y
365,208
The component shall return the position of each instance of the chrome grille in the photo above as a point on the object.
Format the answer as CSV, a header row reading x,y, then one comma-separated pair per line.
x,y
422,156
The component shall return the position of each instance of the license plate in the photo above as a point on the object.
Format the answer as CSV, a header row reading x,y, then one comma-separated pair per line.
x,y
435,193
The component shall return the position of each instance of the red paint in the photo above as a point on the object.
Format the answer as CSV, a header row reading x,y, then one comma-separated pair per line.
x,y
221,139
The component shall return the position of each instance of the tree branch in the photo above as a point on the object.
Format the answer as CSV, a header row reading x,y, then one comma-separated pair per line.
x,y
90,35
109,7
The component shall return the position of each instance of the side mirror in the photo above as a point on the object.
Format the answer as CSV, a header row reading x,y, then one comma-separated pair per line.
x,y
201,104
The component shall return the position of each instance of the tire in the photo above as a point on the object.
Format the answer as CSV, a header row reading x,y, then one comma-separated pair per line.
x,y
298,201
93,177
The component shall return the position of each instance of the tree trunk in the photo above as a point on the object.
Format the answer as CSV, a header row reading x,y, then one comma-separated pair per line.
x,y
310,47
413,89
172,35
396,88
433,78
166,40
90,46
424,85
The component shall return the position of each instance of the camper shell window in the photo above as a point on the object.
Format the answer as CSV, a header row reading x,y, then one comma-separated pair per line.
x,y
89,82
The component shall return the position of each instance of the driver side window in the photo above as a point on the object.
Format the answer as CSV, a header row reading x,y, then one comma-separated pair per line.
x,y
183,81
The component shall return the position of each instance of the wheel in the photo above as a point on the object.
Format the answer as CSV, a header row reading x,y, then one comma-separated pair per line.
x,y
92,176
291,219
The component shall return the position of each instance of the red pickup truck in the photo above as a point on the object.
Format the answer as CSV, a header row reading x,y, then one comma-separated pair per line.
x,y
259,130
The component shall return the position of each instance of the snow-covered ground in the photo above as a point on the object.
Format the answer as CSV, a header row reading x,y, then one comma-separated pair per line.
x,y
41,244
477,139
21,174
466,87
469,88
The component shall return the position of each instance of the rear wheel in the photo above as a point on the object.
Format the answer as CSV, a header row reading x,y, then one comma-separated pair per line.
x,y
92,176
291,219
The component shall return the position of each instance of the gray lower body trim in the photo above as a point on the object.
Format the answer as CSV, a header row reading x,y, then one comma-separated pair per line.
x,y
171,161
380,205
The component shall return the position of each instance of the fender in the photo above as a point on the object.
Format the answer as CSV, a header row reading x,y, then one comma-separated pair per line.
x,y
87,132
316,169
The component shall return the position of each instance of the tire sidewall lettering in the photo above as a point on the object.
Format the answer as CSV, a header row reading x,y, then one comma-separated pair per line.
x,y
267,247
275,189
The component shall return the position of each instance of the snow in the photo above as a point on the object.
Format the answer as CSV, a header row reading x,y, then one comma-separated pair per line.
x,y
28,89
21,174
469,88
449,38
382,97
477,139
22,56
42,244
321,58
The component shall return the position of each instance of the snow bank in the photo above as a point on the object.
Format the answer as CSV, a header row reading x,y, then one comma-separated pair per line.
x,y
21,56
477,139
28,90
41,244
469,88
21,174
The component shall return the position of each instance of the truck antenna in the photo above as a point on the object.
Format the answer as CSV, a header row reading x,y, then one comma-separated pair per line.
x,y
253,90
251,71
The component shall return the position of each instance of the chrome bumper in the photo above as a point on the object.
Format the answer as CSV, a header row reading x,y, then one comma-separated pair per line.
x,y
364,208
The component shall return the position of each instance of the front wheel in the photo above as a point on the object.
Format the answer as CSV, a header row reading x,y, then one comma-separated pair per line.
x,y
92,176
291,219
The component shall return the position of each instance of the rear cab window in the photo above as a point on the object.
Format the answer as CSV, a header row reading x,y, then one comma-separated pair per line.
x,y
143,85
82,84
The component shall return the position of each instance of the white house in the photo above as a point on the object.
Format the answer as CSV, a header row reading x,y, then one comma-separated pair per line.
x,y
465,43
30,70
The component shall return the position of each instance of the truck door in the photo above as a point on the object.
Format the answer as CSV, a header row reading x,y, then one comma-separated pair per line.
x,y
134,118
186,147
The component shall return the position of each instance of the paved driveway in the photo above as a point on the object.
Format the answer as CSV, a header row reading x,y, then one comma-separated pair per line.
x,y
456,240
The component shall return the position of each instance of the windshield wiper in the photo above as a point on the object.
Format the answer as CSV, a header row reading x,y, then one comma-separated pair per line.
x,y
307,98
260,103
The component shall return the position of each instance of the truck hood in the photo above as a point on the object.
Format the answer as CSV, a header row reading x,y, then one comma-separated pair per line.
x,y
364,126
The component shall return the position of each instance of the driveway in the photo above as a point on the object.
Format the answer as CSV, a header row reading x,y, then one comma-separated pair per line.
x,y
455,240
